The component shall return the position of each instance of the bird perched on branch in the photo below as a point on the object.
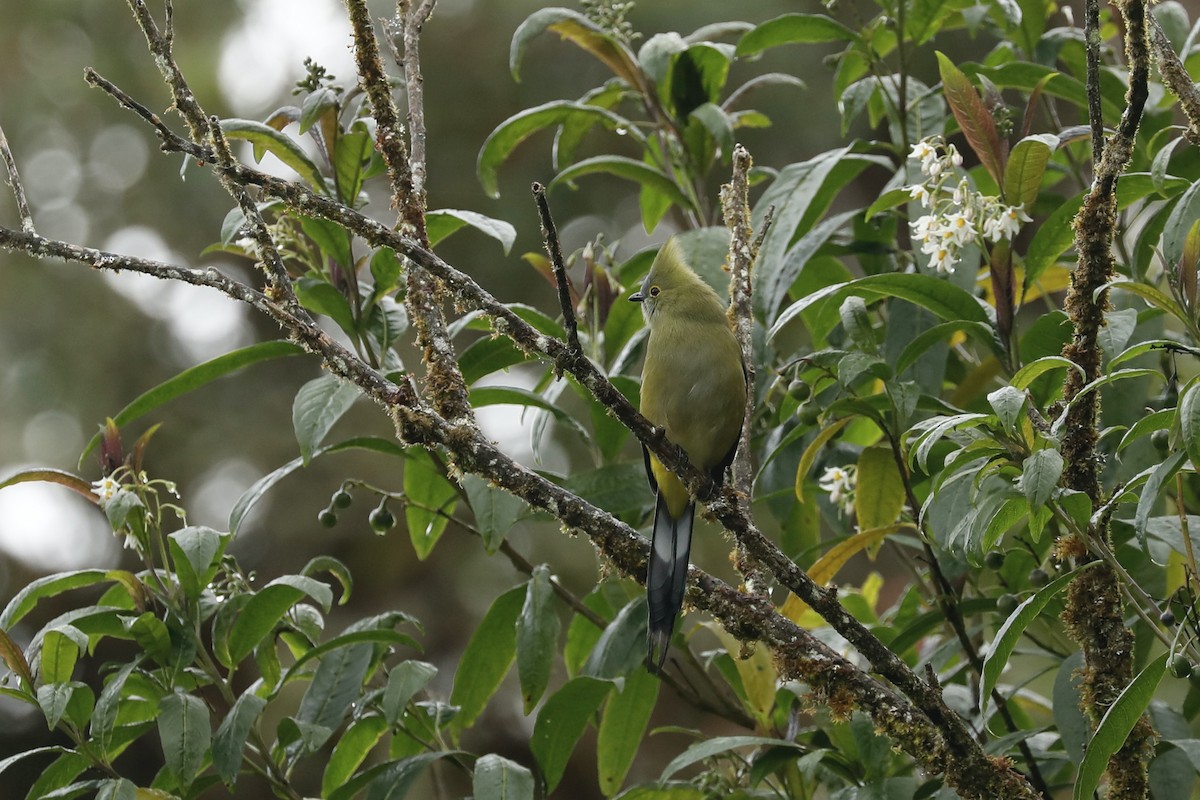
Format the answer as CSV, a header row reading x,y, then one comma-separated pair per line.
x,y
694,387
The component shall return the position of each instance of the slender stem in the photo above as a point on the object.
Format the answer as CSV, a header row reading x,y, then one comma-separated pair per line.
x,y
14,182
554,250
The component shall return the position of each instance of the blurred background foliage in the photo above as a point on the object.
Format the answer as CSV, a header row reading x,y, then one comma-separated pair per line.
x,y
78,346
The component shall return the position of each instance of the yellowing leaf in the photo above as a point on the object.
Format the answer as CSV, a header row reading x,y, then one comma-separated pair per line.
x,y
879,493
810,453
757,673
829,564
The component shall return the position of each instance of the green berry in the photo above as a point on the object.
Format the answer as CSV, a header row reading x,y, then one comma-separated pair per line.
x,y
1039,577
1007,604
809,414
327,517
381,520
799,390
1167,617
994,559
1161,439
1181,667
341,499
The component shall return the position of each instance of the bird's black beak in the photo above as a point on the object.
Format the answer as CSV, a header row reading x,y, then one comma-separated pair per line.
x,y
637,297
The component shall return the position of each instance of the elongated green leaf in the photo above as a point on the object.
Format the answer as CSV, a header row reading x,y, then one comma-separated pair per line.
x,y
445,221
620,648
49,586
1027,374
934,294
793,29
879,496
631,169
721,744
65,479
1159,477
431,500
481,396
485,662
973,117
517,128
1025,168
183,729
497,778
1189,422
538,628
336,684
230,739
405,681
1152,295
1113,729
1053,238
623,727
362,635
195,377
318,405
1012,630
496,511
813,450
1182,218
268,140
196,553
260,487
351,750
577,28
60,650
266,608
1039,476
979,331
562,721
104,716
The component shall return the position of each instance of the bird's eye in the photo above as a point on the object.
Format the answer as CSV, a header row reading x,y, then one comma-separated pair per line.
x,y
654,290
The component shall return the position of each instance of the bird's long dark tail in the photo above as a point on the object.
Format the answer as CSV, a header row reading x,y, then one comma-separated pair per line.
x,y
666,577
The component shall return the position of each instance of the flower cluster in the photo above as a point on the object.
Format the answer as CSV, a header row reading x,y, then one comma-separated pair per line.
x,y
840,483
956,217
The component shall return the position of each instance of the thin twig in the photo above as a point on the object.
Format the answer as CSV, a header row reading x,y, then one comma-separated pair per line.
x,y
414,20
554,250
1176,77
14,181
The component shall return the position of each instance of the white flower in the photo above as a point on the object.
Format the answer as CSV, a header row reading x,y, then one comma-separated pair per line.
x,y
105,489
840,482
942,259
1006,223
955,157
921,192
927,154
958,228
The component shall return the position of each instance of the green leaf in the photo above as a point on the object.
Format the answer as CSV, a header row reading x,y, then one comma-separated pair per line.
x,y
60,650
623,727
229,741
195,377
934,294
1039,476
497,778
1179,223
53,698
104,715
793,29
493,395
973,117
428,493
631,169
1013,628
562,721
196,554
351,750
266,608
581,31
445,221
487,355
183,729
1025,168
351,160
260,487
485,662
517,128
65,479
50,586
716,746
332,239
404,681
61,772
1027,374
1148,496
1008,402
336,685
1053,238
1152,295
394,780
538,628
268,140
318,405
321,297
1113,729
879,496
620,649
496,511
1189,422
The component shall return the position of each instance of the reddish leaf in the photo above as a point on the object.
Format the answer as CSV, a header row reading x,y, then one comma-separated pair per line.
x,y
973,118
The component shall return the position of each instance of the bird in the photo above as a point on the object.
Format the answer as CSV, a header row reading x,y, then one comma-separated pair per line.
x,y
694,388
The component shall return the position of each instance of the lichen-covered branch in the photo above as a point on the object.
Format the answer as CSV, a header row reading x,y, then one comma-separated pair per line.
x,y
14,183
1094,613
1176,77
554,251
